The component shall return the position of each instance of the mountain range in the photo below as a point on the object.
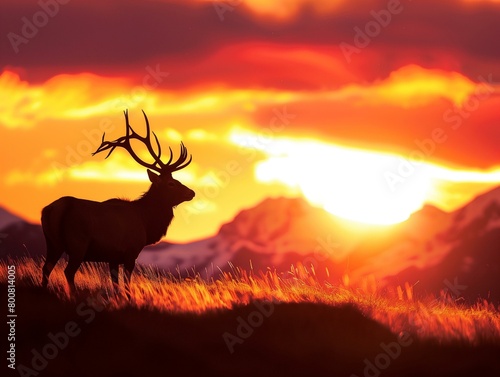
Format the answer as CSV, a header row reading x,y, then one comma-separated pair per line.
x,y
433,251
19,237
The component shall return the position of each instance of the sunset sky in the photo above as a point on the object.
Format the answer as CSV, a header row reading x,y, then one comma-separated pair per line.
x,y
369,109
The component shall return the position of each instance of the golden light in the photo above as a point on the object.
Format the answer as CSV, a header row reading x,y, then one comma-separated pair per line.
x,y
284,10
348,182
63,96
413,85
278,10
121,169
83,96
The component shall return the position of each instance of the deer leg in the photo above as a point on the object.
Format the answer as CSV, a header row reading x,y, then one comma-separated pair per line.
x,y
46,270
53,255
114,270
70,271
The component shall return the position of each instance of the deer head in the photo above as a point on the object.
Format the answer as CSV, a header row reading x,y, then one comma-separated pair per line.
x,y
162,183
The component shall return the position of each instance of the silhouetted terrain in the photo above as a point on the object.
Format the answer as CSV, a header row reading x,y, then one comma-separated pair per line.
x,y
431,250
471,271
293,340
428,250
22,239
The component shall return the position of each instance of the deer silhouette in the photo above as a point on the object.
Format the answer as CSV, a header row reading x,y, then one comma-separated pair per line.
x,y
116,230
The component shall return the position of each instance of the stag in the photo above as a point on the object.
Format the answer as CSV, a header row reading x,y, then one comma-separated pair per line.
x,y
116,230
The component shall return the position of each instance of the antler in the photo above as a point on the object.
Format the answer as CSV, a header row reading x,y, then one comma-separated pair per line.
x,y
179,164
158,165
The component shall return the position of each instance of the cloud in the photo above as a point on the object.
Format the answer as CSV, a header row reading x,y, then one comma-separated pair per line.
x,y
85,95
119,168
388,113
25,105
199,134
409,86
125,37
19,177
276,10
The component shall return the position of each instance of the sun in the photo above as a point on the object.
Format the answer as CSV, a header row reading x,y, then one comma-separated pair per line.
x,y
347,182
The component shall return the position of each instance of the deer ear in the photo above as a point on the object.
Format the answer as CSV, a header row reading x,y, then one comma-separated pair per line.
x,y
154,178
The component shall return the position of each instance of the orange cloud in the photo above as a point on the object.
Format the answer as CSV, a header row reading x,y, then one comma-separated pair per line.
x,y
409,86
62,97
203,118
415,86
200,113
288,9
87,95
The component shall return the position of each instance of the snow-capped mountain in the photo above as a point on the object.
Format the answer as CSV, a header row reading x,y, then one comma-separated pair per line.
x,y
430,248
469,254
276,233
414,243
476,218
281,232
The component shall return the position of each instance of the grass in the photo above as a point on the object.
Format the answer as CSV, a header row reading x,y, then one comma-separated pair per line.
x,y
439,319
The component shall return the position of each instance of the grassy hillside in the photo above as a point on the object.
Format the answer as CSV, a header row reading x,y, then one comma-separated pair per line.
x,y
242,324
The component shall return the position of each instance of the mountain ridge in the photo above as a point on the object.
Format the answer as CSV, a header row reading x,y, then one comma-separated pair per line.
x,y
7,218
407,253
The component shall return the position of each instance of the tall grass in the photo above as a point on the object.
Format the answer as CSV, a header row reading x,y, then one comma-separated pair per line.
x,y
441,318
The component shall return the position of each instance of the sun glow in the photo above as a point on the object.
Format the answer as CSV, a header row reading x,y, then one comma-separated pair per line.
x,y
350,183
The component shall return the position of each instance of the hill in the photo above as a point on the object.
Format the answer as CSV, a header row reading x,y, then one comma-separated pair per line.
x,y
19,238
244,326
295,340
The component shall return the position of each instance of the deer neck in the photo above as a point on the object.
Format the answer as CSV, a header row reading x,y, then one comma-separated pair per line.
x,y
157,214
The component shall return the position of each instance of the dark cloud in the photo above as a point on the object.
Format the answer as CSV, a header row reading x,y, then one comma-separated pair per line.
x,y
123,36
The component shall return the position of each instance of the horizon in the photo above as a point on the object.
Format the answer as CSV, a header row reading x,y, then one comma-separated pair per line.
x,y
352,225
